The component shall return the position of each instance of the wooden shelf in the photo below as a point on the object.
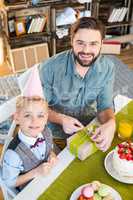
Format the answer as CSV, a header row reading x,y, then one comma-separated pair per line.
x,y
119,24
29,35
16,42
104,10
54,7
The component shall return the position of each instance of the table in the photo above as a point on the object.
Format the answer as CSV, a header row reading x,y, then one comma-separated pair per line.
x,y
74,173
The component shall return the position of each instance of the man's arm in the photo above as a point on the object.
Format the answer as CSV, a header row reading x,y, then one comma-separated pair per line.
x,y
105,133
69,124
106,115
55,117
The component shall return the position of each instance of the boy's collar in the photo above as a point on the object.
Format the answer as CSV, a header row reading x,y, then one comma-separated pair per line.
x,y
28,140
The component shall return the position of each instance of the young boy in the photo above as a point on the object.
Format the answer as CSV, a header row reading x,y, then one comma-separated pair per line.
x,y
30,153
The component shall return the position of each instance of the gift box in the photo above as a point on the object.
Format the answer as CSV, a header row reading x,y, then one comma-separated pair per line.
x,y
80,144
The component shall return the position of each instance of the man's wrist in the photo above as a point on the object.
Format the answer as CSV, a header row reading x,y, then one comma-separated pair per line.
x,y
61,118
112,122
56,117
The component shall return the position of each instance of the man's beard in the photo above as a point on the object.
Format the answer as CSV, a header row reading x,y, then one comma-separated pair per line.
x,y
83,63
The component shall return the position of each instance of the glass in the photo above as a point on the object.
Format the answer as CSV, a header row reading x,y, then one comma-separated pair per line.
x,y
125,129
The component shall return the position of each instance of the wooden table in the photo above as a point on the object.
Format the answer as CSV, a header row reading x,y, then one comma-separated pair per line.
x,y
63,184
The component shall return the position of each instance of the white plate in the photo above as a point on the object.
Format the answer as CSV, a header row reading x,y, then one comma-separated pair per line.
x,y
77,193
110,169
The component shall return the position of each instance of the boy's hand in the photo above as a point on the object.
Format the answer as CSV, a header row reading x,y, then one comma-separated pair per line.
x,y
52,159
42,169
45,167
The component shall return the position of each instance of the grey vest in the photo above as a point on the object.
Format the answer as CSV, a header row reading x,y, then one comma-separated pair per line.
x,y
29,160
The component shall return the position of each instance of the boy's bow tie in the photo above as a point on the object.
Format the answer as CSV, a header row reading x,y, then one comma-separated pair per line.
x,y
39,140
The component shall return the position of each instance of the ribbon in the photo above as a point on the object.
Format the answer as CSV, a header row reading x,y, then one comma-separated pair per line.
x,y
80,138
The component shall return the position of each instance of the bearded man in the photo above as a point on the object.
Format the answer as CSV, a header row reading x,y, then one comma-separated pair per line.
x,y
78,85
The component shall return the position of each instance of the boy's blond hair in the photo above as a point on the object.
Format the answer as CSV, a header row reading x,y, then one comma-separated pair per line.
x,y
24,101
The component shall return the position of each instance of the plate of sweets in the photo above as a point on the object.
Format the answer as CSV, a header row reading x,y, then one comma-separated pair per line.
x,y
119,162
95,191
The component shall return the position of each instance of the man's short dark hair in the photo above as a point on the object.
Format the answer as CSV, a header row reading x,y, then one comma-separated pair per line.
x,y
88,23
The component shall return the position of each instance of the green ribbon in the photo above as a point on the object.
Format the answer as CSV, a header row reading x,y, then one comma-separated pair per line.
x,y
81,137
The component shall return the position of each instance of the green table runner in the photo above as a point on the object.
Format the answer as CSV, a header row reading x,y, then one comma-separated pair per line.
x,y
81,172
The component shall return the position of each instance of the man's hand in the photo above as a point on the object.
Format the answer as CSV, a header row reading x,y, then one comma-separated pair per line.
x,y
71,125
104,135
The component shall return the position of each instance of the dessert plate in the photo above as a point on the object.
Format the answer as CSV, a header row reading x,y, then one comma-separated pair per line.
x,y
108,163
77,193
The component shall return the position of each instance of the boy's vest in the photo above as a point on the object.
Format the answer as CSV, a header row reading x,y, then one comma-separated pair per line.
x,y
29,160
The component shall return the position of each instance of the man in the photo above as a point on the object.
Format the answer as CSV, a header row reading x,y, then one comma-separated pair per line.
x,y
78,85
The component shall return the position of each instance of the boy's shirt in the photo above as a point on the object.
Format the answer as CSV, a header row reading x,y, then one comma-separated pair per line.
x,y
12,163
39,150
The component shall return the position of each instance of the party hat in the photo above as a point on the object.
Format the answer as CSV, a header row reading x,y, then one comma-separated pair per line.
x,y
33,85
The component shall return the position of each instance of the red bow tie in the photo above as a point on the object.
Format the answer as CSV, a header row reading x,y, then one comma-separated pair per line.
x,y
39,140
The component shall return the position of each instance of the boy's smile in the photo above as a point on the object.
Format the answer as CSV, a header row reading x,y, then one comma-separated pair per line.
x,y
32,118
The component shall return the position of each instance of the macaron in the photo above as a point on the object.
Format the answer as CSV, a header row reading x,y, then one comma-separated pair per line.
x,y
96,185
97,197
103,190
108,197
88,191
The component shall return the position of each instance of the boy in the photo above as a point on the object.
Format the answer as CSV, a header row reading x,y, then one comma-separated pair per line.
x,y
30,153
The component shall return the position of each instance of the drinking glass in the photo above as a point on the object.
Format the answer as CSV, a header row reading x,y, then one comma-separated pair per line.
x,y
125,129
